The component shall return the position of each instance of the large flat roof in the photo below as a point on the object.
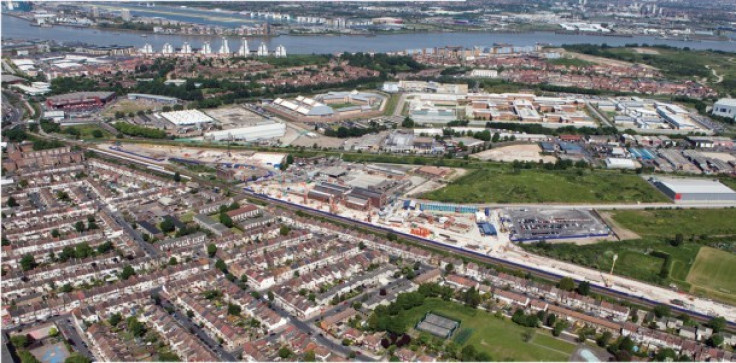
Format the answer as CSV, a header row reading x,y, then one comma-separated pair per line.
x,y
682,186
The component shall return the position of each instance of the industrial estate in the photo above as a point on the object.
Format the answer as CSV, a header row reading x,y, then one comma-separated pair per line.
x,y
190,201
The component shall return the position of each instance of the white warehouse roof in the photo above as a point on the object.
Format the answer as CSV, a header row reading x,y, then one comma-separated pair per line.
x,y
685,186
187,117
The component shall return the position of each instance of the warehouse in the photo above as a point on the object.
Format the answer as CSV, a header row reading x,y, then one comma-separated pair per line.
x,y
154,98
621,163
263,131
187,117
725,107
79,100
694,190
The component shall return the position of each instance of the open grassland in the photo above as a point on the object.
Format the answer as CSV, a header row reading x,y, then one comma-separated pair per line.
x,y
639,259
714,222
502,339
391,103
714,274
693,266
545,186
88,131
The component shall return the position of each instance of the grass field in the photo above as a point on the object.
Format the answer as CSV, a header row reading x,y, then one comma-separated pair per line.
x,y
545,186
127,106
714,273
714,222
635,258
502,339
87,130
391,104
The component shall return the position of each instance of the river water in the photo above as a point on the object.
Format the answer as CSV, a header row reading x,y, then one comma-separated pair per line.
x,y
14,28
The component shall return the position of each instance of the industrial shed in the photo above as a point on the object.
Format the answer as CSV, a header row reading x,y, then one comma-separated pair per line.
x,y
694,190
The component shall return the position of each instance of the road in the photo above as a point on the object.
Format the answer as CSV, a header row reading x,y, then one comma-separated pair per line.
x,y
599,115
316,334
196,330
150,250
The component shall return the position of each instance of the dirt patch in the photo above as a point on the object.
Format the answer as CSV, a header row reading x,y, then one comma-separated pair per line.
x,y
529,152
605,61
621,232
646,51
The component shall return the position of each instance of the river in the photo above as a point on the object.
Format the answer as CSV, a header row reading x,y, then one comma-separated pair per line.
x,y
15,28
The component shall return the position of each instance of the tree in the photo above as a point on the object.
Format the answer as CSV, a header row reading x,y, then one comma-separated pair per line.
x,y
603,339
661,311
361,245
79,226
105,247
127,272
20,341
220,265
173,261
584,288
270,295
135,327
449,268
284,230
115,319
177,177
226,220
211,250
468,353
665,354
284,352
83,250
97,134
167,226
66,288
6,241
12,202
27,262
233,309
715,340
717,324
472,297
567,284
309,356
679,239
76,358
407,123
55,233
26,357
560,326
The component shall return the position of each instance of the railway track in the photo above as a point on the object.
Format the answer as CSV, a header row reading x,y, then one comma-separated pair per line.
x,y
601,290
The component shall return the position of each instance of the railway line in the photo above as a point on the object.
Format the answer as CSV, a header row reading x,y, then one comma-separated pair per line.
x,y
601,290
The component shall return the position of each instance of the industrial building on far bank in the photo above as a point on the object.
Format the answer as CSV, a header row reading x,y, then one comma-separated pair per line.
x,y
692,190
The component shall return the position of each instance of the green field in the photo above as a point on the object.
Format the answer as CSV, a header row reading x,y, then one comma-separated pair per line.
x,y
714,222
714,274
87,130
636,258
502,339
547,186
